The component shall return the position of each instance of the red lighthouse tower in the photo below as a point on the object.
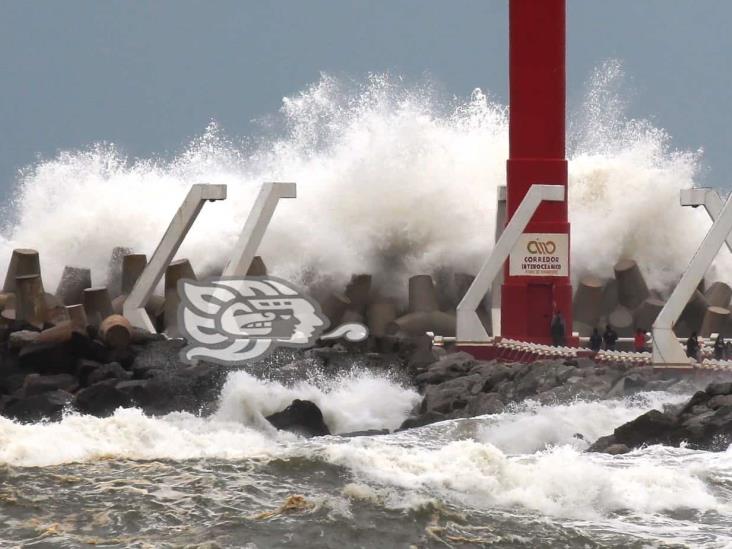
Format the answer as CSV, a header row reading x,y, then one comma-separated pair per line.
x,y
533,291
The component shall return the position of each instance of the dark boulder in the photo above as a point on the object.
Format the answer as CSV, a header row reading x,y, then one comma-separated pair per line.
x,y
422,420
113,370
715,389
47,358
450,367
653,427
84,368
101,399
154,396
367,433
48,405
10,383
158,355
302,417
450,395
35,384
91,349
485,403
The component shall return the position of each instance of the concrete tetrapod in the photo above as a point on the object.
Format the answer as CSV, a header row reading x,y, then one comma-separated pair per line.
x,y
114,270
422,294
177,270
30,306
132,267
379,315
97,305
77,317
358,292
645,315
334,306
74,280
632,289
622,320
416,324
116,331
692,316
24,261
718,294
715,321
257,267
588,301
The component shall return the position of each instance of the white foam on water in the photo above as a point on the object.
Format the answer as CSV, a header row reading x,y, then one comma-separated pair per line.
x,y
358,400
129,434
531,427
353,401
561,481
392,179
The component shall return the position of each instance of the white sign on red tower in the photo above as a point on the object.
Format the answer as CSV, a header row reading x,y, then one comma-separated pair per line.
x,y
540,254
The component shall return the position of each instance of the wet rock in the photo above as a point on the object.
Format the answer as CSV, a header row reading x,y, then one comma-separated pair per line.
x,y
450,395
302,417
35,384
617,449
11,383
84,368
627,385
158,355
21,338
492,373
715,389
48,405
485,403
719,401
450,367
91,349
113,370
367,433
48,358
101,399
653,427
422,420
152,395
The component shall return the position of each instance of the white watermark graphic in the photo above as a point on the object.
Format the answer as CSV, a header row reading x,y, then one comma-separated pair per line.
x,y
230,321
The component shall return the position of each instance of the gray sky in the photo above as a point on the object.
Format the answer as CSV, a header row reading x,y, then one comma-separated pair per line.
x,y
151,75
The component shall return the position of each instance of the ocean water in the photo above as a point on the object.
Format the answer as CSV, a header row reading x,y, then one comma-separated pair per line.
x,y
516,479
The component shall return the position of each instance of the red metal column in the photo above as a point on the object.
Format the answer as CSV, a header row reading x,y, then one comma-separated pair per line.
x,y
536,155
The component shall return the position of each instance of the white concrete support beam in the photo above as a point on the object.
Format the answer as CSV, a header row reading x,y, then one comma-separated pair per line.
x,y
710,199
498,280
666,348
256,225
134,307
469,326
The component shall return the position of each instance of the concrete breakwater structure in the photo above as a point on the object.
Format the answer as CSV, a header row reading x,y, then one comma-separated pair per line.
x,y
625,303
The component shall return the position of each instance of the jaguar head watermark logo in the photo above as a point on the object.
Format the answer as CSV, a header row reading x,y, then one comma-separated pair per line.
x,y
230,321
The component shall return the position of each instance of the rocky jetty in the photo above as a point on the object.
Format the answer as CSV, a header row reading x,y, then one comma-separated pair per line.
x,y
40,380
703,423
459,386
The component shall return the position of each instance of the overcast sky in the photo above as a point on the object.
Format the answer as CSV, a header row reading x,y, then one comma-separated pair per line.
x,y
151,75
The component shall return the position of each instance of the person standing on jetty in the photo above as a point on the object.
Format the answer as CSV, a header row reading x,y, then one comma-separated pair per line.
x,y
595,340
720,348
609,338
557,329
692,347
639,343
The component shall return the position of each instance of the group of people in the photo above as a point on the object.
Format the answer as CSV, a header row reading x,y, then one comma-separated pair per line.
x,y
609,338
722,348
